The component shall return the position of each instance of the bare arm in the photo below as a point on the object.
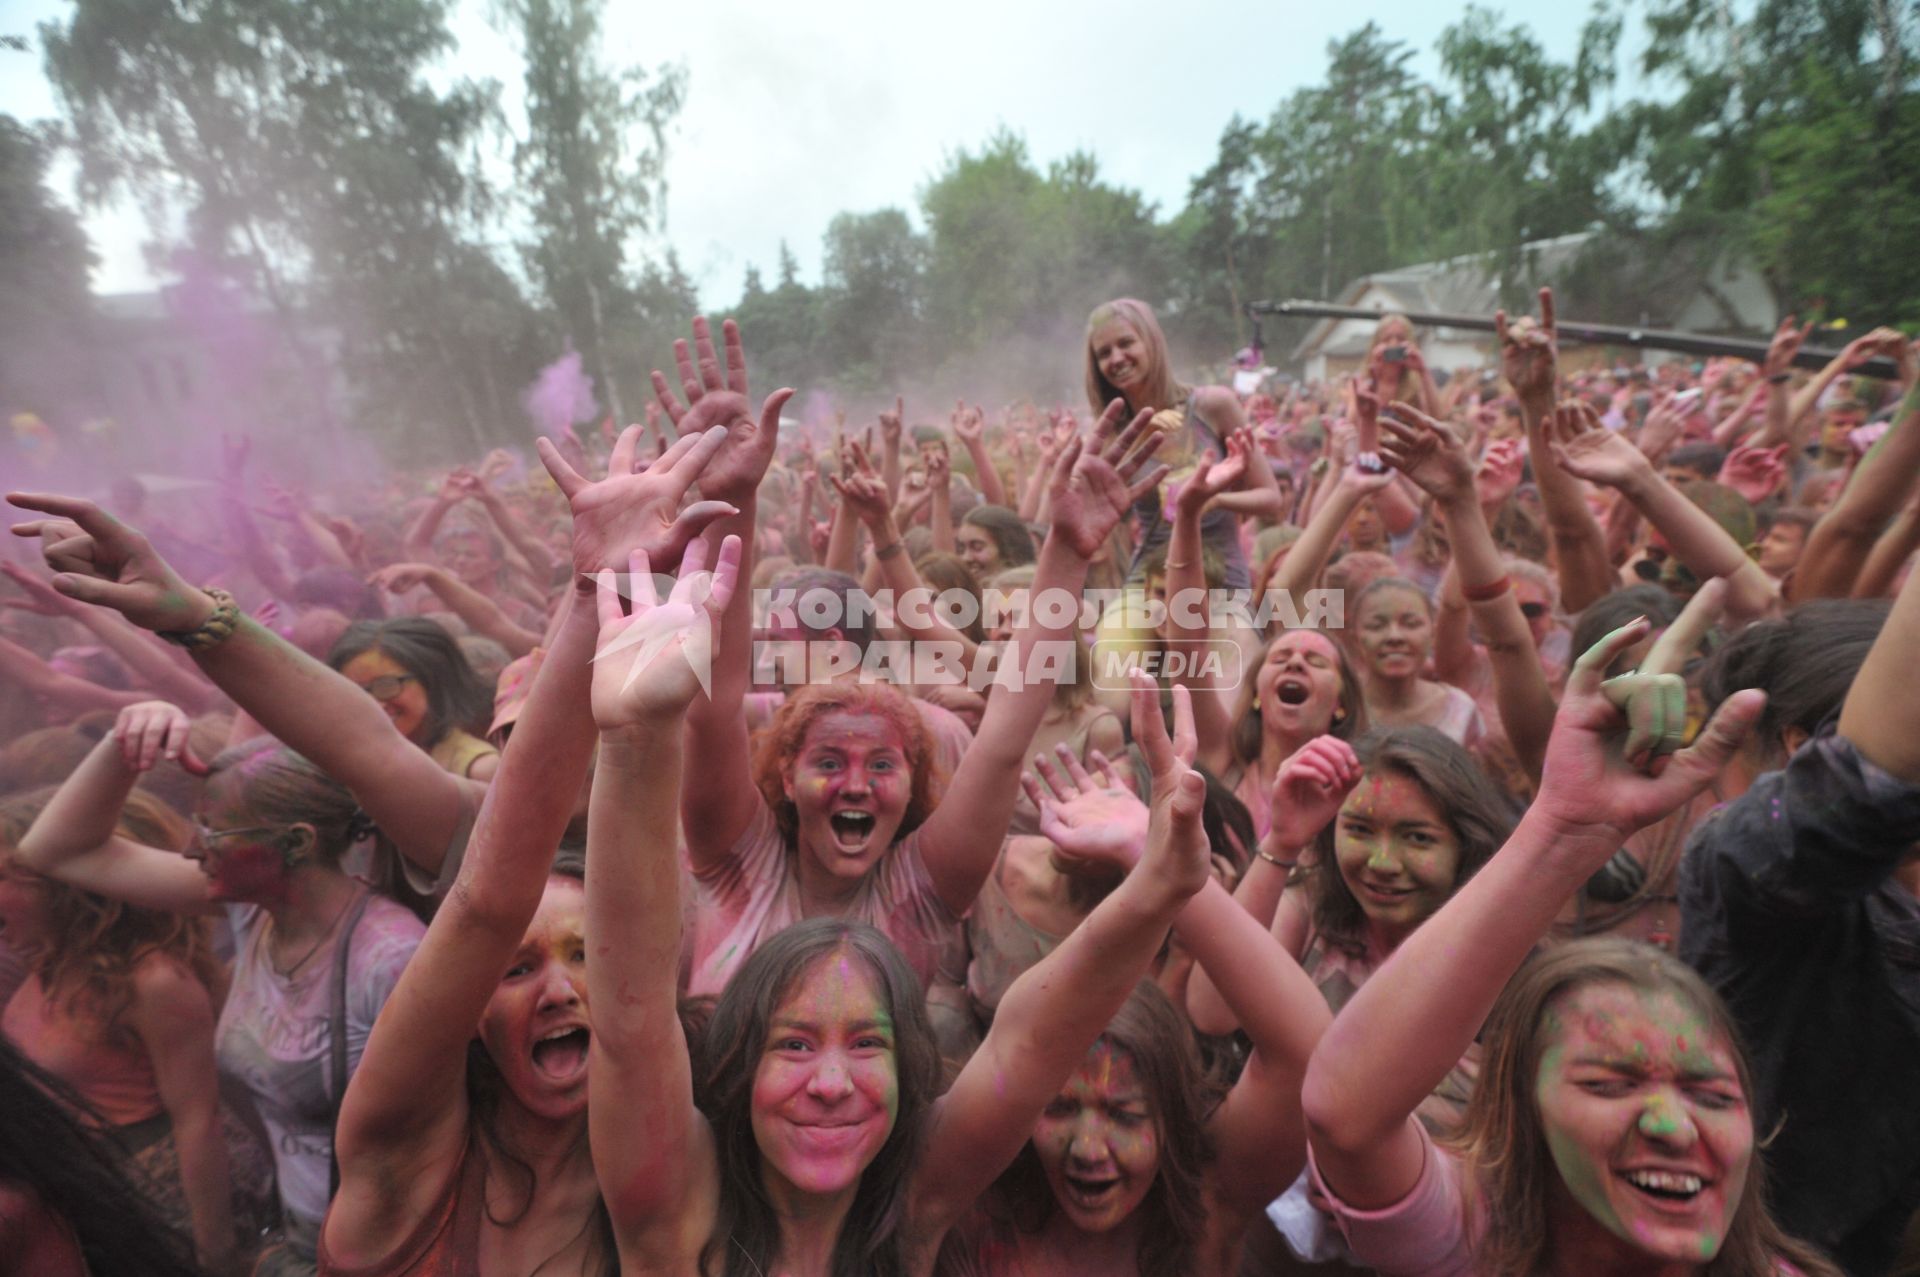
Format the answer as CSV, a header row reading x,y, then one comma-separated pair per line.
x,y
172,1014
539,560
481,613
1422,1009
1840,542
1889,554
1880,714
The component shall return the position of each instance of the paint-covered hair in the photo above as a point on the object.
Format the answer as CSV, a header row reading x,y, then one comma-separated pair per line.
x,y
1159,1044
1162,391
780,745
1503,1145
278,788
746,1235
1478,813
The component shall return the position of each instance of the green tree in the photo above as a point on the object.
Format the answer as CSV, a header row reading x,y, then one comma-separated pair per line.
x,y
44,260
870,298
591,166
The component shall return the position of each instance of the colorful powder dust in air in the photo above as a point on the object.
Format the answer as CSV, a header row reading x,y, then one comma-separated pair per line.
x,y
559,397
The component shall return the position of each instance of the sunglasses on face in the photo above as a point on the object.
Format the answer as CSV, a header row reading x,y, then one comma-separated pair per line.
x,y
1533,611
388,686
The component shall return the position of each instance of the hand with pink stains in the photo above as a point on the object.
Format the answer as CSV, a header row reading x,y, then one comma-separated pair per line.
x,y
1500,471
148,730
1099,826
652,661
628,512
1529,351
1599,783
1097,480
1215,477
862,492
1309,789
717,396
1755,473
1588,450
1428,453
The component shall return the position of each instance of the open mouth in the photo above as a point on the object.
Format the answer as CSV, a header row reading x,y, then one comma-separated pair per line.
x,y
851,829
1091,1194
562,1054
1291,691
1674,1188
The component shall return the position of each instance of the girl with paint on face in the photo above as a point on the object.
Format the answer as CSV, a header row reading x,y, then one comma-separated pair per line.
x,y
1138,1165
269,835
464,1148
844,822
1394,630
1611,1130
1126,358
808,1138
418,673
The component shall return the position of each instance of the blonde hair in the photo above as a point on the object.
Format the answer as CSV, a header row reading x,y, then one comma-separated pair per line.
x,y
1162,390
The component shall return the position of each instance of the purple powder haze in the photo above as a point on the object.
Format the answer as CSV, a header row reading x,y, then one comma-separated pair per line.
x,y
559,397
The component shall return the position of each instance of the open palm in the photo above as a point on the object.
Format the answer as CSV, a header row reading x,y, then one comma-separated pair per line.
x,y
651,662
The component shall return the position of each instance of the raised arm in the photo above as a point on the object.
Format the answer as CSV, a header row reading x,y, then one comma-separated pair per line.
x,y
1840,542
1881,707
1592,452
1429,455
864,495
1189,615
1056,1009
73,839
970,427
148,658
652,1149
400,1131
480,613
1529,357
716,798
419,538
539,559
1090,496
1424,1007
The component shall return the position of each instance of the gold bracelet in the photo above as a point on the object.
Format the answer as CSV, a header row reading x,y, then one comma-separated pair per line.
x,y
213,631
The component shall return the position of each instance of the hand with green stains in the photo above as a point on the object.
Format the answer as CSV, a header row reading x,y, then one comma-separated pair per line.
x,y
98,559
1599,785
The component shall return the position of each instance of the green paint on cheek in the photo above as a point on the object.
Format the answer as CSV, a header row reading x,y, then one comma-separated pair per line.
x,y
1585,1181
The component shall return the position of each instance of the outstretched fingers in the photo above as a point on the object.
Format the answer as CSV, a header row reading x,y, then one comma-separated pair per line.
x,y
565,477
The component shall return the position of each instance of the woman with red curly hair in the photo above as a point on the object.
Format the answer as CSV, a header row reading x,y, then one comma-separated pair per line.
x,y
845,824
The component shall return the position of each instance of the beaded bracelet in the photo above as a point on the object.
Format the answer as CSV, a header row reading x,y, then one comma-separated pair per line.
x,y
213,631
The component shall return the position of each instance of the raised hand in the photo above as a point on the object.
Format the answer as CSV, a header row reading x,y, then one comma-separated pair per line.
x,y
398,578
1590,786
651,662
717,396
939,469
862,489
1664,425
41,598
1098,826
98,559
1215,477
1587,450
1310,787
1786,343
893,423
1890,342
1366,426
1755,473
1501,468
969,424
1176,852
1427,453
1528,351
627,512
1089,492
150,729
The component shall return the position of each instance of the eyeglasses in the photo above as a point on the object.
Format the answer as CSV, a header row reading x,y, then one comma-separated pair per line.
x,y
211,837
387,686
1533,611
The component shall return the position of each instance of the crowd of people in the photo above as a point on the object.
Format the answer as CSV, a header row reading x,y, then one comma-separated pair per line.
x,y
1463,822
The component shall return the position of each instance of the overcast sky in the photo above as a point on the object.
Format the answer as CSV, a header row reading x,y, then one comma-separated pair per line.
x,y
797,112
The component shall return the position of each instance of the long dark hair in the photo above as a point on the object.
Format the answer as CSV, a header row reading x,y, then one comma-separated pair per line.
x,y
1503,1144
1478,812
1157,1041
455,694
746,1234
44,1147
486,1088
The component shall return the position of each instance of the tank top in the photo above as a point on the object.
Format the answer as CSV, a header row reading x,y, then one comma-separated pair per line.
x,y
113,1076
1219,529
